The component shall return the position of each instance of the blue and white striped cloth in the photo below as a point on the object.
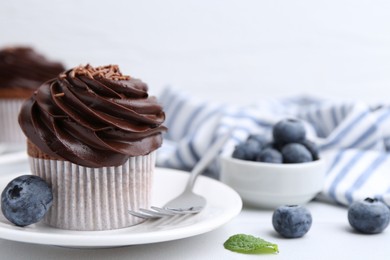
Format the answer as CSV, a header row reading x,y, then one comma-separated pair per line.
x,y
352,137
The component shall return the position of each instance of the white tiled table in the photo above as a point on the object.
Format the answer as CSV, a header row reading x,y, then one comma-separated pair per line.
x,y
329,238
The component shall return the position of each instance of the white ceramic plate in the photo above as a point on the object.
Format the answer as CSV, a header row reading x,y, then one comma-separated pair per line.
x,y
223,204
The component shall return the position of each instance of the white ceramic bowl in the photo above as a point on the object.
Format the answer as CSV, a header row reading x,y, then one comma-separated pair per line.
x,y
269,185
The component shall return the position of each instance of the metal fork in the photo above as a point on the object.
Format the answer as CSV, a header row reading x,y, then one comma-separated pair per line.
x,y
187,202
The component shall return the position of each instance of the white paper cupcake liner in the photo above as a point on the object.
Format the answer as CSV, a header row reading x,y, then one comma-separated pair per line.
x,y
11,134
96,198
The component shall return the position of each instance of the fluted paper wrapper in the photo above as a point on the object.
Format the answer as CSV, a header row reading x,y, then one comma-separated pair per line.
x,y
96,198
9,126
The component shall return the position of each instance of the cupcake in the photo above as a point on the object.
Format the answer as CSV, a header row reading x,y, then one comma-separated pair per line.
x,y
22,71
93,134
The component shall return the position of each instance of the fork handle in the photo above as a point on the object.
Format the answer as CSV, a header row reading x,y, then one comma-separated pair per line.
x,y
207,158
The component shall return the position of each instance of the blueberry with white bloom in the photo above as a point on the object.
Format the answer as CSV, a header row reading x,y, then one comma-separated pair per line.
x,y
260,139
313,148
247,151
26,199
296,153
292,221
289,131
270,155
370,216
273,145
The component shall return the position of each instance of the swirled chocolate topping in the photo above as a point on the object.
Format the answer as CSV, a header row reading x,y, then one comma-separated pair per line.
x,y
22,67
94,117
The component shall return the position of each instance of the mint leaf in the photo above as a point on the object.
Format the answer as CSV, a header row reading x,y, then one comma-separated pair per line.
x,y
248,244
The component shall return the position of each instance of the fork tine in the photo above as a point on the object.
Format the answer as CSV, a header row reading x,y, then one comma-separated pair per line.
x,y
155,213
191,210
165,211
141,215
177,211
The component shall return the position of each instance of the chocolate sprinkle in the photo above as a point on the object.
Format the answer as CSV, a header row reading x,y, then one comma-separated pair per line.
x,y
109,72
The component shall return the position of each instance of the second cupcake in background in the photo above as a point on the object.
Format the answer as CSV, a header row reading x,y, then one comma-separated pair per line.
x,y
92,134
22,71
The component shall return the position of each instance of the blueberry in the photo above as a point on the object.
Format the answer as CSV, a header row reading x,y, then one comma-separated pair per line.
x,y
370,216
387,143
291,221
273,145
312,147
247,151
296,153
239,152
289,131
26,199
270,155
260,139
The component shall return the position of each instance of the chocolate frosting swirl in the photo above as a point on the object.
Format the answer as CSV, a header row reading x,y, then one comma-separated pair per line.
x,y
93,117
22,67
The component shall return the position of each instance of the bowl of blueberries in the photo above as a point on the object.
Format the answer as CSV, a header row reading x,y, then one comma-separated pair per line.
x,y
283,170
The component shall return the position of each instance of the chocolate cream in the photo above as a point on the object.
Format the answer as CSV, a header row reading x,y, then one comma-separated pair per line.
x,y
94,117
22,67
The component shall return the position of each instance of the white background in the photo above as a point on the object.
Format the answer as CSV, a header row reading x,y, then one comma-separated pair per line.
x,y
237,51
223,50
